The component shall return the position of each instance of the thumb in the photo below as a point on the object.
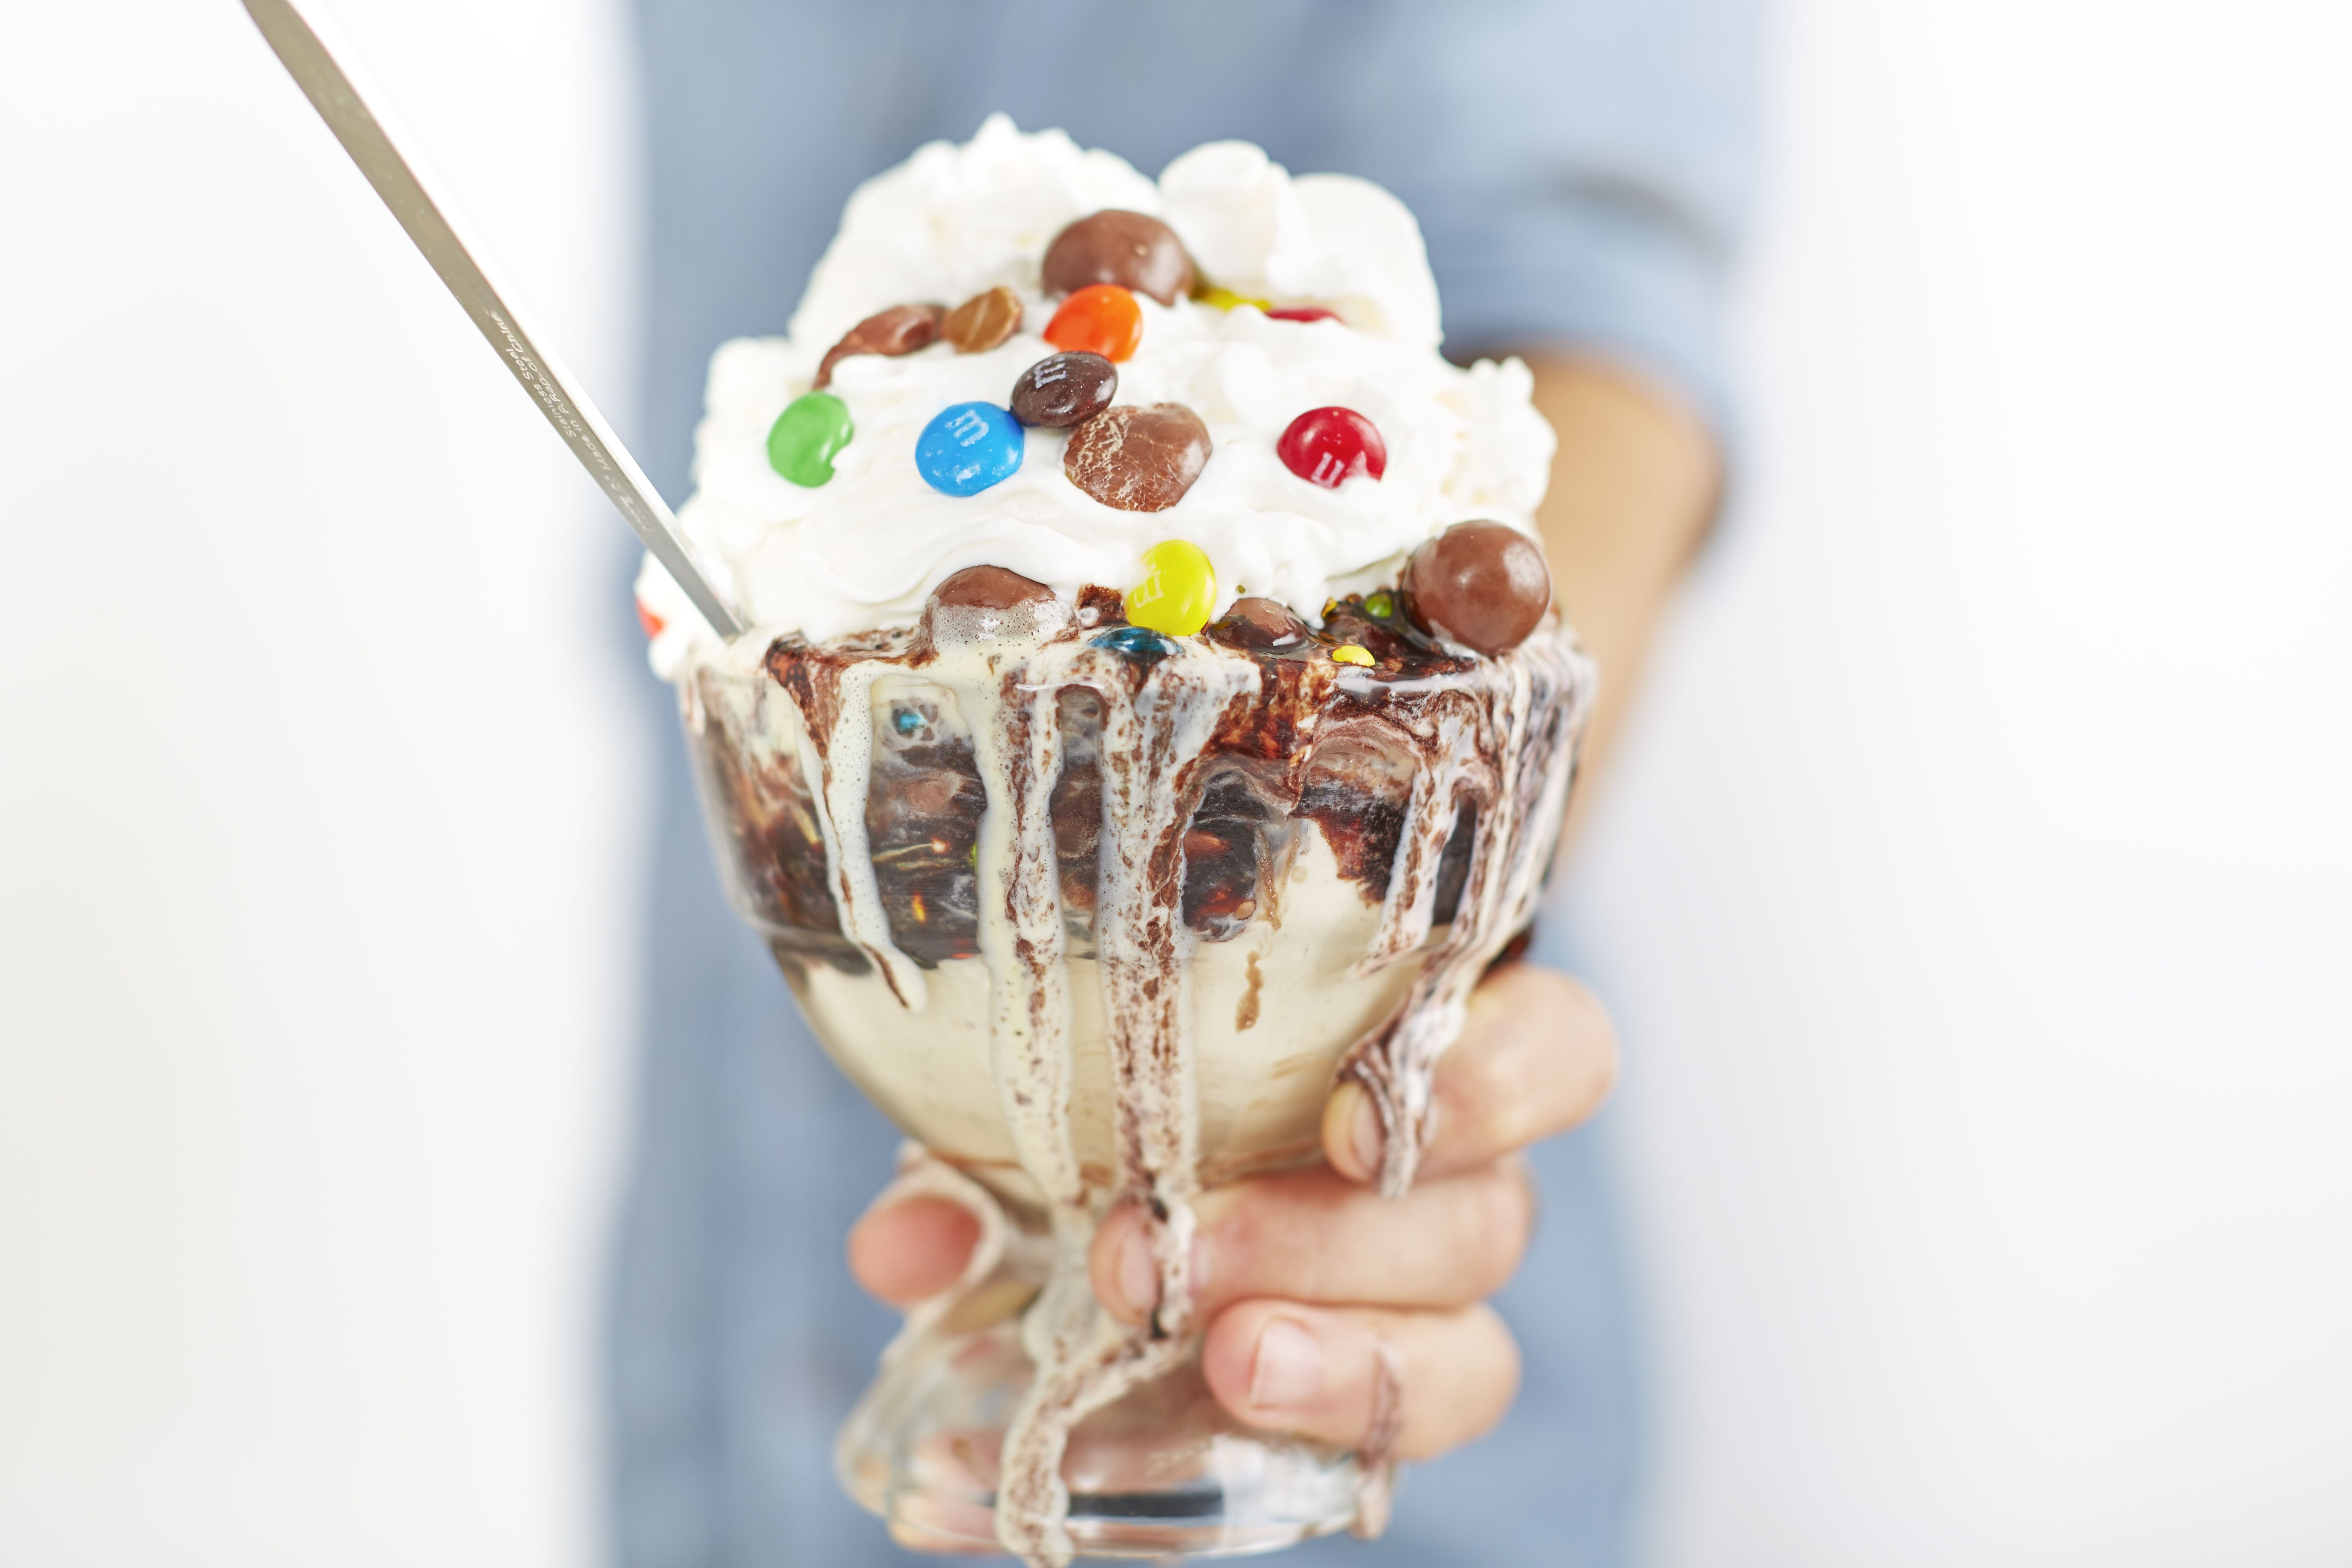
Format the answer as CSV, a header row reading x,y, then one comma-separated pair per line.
x,y
908,1250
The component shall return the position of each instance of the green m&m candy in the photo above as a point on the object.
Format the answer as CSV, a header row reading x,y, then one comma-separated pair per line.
x,y
805,437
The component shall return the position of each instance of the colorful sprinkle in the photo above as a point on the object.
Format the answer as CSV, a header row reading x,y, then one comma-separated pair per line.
x,y
1328,446
1178,591
647,620
1100,319
1226,299
968,447
1301,313
1380,605
805,437
1348,653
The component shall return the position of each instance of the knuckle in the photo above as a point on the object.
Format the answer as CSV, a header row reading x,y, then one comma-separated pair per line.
x,y
1587,1037
1598,1077
1264,1233
1475,1108
1503,1354
1497,1221
1598,1023
1520,1183
1464,1382
1544,1063
1226,1247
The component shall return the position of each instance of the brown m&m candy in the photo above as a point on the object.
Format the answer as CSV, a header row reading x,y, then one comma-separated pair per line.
x,y
1484,585
983,322
1138,460
900,330
1063,390
983,603
990,588
1130,249
1261,626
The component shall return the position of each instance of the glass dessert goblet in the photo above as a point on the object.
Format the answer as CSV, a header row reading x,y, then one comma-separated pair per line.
x,y
1098,915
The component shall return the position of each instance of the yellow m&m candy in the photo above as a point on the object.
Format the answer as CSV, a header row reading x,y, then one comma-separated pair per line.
x,y
1226,299
1178,591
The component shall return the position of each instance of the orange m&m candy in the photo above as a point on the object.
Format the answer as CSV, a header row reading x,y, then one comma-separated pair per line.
x,y
1100,319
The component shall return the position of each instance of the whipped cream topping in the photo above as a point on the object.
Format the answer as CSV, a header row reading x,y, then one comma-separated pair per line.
x,y
865,550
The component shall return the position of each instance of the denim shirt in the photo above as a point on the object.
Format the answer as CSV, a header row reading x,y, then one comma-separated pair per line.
x,y
1580,170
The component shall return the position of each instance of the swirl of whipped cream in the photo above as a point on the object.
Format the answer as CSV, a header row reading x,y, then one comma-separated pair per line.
x,y
865,550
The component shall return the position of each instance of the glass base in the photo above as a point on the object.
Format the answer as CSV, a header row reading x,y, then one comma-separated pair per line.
x,y
1163,1472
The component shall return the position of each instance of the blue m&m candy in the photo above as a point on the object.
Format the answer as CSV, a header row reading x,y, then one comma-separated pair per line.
x,y
1141,644
969,447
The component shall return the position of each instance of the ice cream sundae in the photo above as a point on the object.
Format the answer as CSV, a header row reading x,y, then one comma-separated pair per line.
x,y
1156,711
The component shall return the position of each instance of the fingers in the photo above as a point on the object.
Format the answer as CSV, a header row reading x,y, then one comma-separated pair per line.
x,y
906,1251
1312,1236
915,1538
1536,1056
1318,1371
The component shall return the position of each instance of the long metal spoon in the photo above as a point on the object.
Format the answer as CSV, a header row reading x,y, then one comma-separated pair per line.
x,y
308,45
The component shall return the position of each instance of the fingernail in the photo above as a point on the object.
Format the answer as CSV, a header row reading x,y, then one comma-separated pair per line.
x,y
1138,1272
1289,1373
1366,1140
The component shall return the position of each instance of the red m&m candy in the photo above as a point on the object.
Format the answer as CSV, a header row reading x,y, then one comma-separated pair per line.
x,y
1100,319
1328,446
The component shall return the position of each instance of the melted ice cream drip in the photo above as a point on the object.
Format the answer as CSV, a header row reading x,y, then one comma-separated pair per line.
x,y
1491,737
1157,726
1017,742
1506,754
1153,738
845,767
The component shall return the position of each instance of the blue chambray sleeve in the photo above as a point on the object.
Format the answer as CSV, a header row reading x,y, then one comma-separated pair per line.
x,y
1582,169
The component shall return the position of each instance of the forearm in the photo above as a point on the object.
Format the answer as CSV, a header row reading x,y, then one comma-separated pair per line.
x,y
1633,488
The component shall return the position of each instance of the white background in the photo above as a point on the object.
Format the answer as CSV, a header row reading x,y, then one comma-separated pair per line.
x,y
1973,891
1977,894
316,804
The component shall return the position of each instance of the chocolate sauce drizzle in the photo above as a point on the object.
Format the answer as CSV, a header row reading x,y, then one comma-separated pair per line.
x,y
1439,781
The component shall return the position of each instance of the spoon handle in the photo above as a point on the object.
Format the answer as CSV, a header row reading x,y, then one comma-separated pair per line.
x,y
309,47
